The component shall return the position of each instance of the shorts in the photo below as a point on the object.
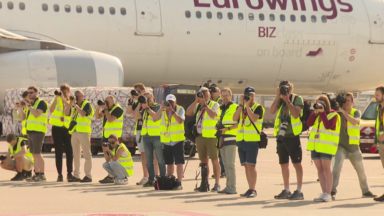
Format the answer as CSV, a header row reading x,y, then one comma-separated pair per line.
x,y
206,147
291,147
35,142
27,164
140,145
174,154
320,156
248,152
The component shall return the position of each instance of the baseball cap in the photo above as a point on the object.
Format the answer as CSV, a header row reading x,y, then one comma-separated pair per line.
x,y
170,97
249,90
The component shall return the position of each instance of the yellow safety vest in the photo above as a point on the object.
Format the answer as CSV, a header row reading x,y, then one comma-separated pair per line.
x,y
58,114
227,121
83,122
116,126
126,162
18,149
322,140
209,124
248,132
173,129
378,132
38,124
24,123
353,131
149,126
297,126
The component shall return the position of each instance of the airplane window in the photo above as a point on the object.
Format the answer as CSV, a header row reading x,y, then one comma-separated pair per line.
x,y
79,9
251,16
293,18
241,16
67,8
123,11
230,15
101,10
90,9
282,18
314,18
56,8
22,6
261,17
10,5
303,18
324,19
188,14
219,15
209,15
112,10
272,17
198,14
45,7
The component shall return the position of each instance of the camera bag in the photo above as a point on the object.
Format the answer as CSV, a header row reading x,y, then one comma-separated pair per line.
x,y
165,183
190,128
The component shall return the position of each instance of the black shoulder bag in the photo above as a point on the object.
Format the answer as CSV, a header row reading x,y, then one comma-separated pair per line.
x,y
190,128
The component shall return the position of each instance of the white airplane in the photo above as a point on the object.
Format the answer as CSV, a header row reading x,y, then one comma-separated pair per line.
x,y
319,45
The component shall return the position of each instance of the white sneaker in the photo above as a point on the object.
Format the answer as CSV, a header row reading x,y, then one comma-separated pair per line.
x,y
142,181
123,181
320,198
327,198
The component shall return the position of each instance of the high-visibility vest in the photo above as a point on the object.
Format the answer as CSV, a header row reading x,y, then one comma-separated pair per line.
x,y
353,130
297,126
58,114
227,120
18,149
126,162
209,124
38,124
248,132
323,140
174,129
378,126
83,122
116,126
149,126
24,122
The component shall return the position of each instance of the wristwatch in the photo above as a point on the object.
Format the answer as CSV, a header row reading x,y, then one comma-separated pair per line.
x,y
229,128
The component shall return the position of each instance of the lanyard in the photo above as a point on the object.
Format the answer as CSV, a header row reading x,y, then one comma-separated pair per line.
x,y
318,125
145,120
245,115
345,123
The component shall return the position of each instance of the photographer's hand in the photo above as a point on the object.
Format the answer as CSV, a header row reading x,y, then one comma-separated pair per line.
x,y
285,98
321,110
278,94
223,130
242,100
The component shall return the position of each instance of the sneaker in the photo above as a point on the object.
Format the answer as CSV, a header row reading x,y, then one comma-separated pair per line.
x,y
327,198
107,180
251,194
123,181
224,191
379,199
60,178
149,184
283,195
142,181
86,179
32,179
333,195
69,176
369,194
216,188
296,196
178,186
223,175
74,179
28,175
320,198
18,177
246,193
40,177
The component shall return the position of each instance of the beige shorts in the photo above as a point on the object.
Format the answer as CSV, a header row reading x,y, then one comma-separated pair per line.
x,y
206,147
27,164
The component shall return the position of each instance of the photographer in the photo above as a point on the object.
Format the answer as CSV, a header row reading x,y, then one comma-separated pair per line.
x,y
349,146
379,96
21,107
36,117
227,129
150,133
18,158
287,129
81,113
60,133
206,119
119,163
172,136
113,120
249,116
323,142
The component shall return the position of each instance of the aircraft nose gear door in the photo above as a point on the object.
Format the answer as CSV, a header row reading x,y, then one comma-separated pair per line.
x,y
148,16
375,10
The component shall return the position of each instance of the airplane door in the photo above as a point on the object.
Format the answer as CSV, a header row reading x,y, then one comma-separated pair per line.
x,y
375,10
148,16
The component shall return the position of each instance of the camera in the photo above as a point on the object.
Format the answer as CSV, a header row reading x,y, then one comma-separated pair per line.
x,y
200,94
72,125
57,93
22,103
2,158
246,98
219,126
142,100
135,93
318,106
72,98
166,103
283,130
105,144
25,94
100,103
336,100
284,90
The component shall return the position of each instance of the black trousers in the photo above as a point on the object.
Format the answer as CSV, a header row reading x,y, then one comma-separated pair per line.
x,y
62,142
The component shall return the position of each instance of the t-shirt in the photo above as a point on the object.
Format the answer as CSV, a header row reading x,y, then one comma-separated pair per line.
x,y
139,124
155,108
284,113
215,108
257,111
344,137
180,112
41,106
23,143
116,112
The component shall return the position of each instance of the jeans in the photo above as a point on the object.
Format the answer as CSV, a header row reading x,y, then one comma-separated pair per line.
x,y
153,144
221,163
228,154
115,169
356,159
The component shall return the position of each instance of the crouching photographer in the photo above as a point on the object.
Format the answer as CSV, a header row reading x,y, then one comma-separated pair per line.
x,y
21,107
119,163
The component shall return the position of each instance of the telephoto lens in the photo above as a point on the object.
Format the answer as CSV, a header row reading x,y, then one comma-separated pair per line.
x,y
283,130
142,100
57,93
166,103
318,106
100,103
134,93
246,98
200,94
284,90
71,98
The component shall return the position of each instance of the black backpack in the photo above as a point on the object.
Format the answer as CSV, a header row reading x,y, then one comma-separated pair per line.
x,y
189,126
165,183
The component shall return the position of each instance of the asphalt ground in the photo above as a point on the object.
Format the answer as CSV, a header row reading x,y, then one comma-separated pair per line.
x,y
53,198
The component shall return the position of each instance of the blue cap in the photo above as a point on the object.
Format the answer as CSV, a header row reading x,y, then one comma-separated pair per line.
x,y
249,90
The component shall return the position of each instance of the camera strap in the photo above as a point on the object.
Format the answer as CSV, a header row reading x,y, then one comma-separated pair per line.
x,y
381,118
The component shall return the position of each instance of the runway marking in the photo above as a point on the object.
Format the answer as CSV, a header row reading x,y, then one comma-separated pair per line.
x,y
138,213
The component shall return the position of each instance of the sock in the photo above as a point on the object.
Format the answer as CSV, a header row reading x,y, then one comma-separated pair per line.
x,y
299,190
287,190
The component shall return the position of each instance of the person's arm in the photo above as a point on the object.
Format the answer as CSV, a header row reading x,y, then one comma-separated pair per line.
x,y
295,110
212,113
107,154
85,111
67,111
151,112
157,115
136,114
179,116
311,119
328,124
118,154
239,109
353,120
22,114
130,107
98,113
53,104
275,105
35,112
22,152
191,109
8,157
110,117
252,115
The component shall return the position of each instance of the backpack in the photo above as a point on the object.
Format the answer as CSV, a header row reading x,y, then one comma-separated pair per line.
x,y
306,113
165,183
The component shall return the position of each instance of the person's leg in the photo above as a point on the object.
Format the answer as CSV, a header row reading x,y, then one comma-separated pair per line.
x,y
202,151
27,164
356,159
326,164
159,163
76,154
118,169
293,146
156,164
19,163
213,154
10,165
339,158
58,143
68,151
142,152
178,155
223,160
252,151
85,143
284,163
320,173
381,153
222,167
107,166
252,173
230,155
38,144
168,159
148,148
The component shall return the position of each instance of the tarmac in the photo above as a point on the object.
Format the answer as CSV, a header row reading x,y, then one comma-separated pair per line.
x,y
53,198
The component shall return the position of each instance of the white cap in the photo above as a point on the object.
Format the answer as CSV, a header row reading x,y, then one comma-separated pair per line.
x,y
170,97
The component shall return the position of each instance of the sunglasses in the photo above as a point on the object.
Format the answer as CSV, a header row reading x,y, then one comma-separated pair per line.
x,y
30,92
